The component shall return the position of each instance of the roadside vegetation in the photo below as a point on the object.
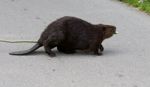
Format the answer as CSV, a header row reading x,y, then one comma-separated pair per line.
x,y
143,5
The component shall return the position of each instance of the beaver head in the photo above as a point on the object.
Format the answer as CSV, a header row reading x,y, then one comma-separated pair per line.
x,y
108,30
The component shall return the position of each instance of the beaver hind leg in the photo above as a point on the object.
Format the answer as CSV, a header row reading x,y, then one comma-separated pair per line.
x,y
49,51
48,45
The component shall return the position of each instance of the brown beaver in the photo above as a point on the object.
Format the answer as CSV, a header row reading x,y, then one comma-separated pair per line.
x,y
69,34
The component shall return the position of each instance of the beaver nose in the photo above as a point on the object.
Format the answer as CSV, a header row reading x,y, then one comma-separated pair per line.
x,y
115,32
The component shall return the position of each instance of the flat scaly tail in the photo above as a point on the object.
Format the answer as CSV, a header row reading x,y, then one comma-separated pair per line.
x,y
25,52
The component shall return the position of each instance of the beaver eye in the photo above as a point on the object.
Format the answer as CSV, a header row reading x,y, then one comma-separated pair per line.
x,y
104,29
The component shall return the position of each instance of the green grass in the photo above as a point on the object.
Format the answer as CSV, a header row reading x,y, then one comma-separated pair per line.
x,y
145,6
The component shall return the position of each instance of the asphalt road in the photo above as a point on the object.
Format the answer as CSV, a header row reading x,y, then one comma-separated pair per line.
x,y
125,61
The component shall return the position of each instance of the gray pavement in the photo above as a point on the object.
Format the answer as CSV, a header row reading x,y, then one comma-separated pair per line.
x,y
126,59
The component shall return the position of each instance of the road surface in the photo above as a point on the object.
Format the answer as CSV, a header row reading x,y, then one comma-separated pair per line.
x,y
125,61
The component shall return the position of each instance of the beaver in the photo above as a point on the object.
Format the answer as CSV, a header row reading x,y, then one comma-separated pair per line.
x,y
69,34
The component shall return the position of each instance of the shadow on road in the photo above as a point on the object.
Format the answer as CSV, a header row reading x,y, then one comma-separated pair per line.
x,y
108,52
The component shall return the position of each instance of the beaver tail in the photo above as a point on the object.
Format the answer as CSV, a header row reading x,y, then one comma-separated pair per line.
x,y
25,52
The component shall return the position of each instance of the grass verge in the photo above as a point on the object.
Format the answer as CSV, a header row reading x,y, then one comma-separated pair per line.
x,y
144,6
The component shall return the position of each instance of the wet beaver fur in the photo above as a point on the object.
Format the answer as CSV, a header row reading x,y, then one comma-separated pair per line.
x,y
69,34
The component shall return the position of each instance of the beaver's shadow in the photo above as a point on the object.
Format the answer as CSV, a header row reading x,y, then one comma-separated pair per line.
x,y
108,52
